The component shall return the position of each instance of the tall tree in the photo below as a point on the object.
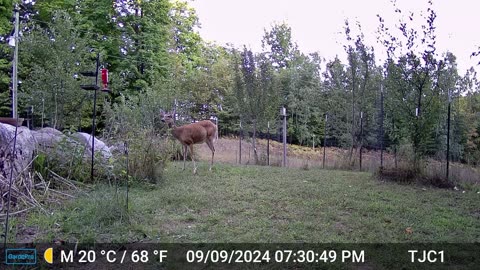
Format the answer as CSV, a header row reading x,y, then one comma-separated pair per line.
x,y
144,34
413,75
253,85
278,45
361,65
337,99
50,58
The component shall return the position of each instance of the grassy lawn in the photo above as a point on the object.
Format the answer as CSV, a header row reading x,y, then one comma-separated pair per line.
x,y
266,204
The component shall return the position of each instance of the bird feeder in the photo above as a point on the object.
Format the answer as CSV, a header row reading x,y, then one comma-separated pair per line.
x,y
105,80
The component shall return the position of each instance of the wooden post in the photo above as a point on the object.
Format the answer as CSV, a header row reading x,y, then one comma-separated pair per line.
x,y
125,145
240,145
395,145
325,140
313,142
268,143
361,138
283,112
15,65
448,134
381,127
94,116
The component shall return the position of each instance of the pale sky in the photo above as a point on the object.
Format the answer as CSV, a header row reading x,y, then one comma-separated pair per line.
x,y
317,25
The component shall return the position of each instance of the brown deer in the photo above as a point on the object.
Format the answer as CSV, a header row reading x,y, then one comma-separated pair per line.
x,y
190,134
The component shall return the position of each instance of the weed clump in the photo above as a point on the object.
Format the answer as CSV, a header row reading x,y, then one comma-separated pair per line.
x,y
411,176
400,175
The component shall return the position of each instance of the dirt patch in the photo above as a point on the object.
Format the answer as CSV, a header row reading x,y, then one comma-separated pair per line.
x,y
340,227
26,234
476,214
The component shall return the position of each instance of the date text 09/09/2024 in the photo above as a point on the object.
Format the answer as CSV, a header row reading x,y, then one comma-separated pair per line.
x,y
279,256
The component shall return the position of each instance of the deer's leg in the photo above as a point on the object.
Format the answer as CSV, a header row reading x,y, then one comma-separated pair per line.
x,y
212,148
193,159
184,155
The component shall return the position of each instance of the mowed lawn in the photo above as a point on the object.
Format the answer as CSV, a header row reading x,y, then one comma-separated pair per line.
x,y
268,204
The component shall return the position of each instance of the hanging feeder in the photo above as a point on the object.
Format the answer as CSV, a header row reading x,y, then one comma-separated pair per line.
x,y
105,80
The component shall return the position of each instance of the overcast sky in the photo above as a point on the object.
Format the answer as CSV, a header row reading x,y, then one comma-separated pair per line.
x,y
317,25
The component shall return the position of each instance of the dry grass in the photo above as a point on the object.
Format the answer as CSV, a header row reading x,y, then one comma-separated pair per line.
x,y
336,158
297,156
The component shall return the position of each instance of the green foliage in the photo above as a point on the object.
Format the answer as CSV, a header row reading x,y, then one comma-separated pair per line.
x,y
143,36
469,130
279,46
50,58
6,12
254,80
137,122
47,9
185,41
40,164
5,70
201,91
417,82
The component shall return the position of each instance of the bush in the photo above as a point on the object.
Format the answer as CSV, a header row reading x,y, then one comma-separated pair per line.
x,y
401,175
405,152
137,122
262,159
408,175
148,155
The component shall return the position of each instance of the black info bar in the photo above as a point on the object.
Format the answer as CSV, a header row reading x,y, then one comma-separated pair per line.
x,y
242,256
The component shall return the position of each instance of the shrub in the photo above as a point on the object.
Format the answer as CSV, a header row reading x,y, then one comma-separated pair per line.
x,y
262,159
401,175
408,175
148,155
137,122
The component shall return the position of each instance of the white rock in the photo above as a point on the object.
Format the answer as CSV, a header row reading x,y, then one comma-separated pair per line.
x,y
100,147
25,146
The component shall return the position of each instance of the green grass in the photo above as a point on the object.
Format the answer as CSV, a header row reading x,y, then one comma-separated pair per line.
x,y
267,204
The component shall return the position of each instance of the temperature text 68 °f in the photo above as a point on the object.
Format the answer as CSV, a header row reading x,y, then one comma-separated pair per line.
x,y
113,256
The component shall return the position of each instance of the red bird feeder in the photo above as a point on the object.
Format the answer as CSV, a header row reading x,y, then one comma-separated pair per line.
x,y
105,80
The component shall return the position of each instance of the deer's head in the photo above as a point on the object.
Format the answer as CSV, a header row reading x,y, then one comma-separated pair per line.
x,y
168,119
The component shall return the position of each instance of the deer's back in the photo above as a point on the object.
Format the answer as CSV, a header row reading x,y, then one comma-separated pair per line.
x,y
198,132
210,127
